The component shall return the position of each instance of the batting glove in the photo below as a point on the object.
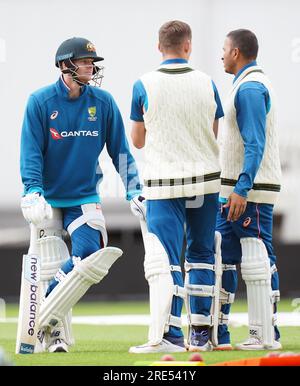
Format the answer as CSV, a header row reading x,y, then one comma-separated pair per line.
x,y
35,208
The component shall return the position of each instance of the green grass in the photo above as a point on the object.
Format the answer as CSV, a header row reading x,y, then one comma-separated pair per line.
x,y
108,345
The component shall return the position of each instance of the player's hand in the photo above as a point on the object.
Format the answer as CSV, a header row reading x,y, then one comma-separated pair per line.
x,y
138,207
237,206
35,208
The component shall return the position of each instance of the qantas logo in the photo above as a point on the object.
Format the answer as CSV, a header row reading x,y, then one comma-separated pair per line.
x,y
80,133
55,134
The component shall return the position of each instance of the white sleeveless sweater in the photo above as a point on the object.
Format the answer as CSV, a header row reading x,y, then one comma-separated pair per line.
x,y
181,152
268,178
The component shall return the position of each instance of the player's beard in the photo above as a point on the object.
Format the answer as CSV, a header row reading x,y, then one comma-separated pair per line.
x,y
228,69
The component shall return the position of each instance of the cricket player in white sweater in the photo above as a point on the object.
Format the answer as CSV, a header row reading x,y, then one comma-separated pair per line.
x,y
175,110
250,183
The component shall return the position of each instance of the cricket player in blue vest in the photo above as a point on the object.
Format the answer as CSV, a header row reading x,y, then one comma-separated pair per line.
x,y
175,110
250,184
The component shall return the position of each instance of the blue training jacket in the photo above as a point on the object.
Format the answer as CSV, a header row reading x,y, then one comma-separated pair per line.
x,y
62,139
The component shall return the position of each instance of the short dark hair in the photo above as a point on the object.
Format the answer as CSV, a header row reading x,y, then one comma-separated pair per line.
x,y
173,33
245,41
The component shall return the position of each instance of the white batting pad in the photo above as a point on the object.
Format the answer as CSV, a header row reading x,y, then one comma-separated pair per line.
x,y
202,290
161,286
67,326
53,252
256,272
216,304
67,293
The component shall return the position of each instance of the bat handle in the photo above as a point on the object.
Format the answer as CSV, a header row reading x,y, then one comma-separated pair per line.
x,y
33,239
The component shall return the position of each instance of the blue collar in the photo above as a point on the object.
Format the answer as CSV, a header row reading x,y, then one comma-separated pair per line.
x,y
64,89
172,61
251,64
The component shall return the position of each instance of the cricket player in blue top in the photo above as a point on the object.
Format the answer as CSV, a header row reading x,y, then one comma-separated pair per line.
x,y
250,184
66,127
175,110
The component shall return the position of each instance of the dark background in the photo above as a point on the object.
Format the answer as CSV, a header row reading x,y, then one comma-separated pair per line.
x,y
126,281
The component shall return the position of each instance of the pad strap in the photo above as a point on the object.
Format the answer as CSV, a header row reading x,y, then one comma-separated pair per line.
x,y
175,268
179,291
200,290
273,269
86,217
174,321
275,296
201,320
189,266
228,267
226,297
223,319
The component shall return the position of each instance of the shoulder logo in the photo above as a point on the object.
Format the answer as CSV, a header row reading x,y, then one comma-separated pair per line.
x,y
92,114
55,134
54,115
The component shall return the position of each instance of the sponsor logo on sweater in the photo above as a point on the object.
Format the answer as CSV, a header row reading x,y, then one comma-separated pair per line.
x,y
55,134
54,115
76,133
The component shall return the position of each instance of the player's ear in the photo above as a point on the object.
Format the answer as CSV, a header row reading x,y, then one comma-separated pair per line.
x,y
236,53
187,46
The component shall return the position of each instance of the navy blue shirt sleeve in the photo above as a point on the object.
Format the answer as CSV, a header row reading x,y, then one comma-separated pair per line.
x,y
118,149
219,112
32,148
252,103
139,100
